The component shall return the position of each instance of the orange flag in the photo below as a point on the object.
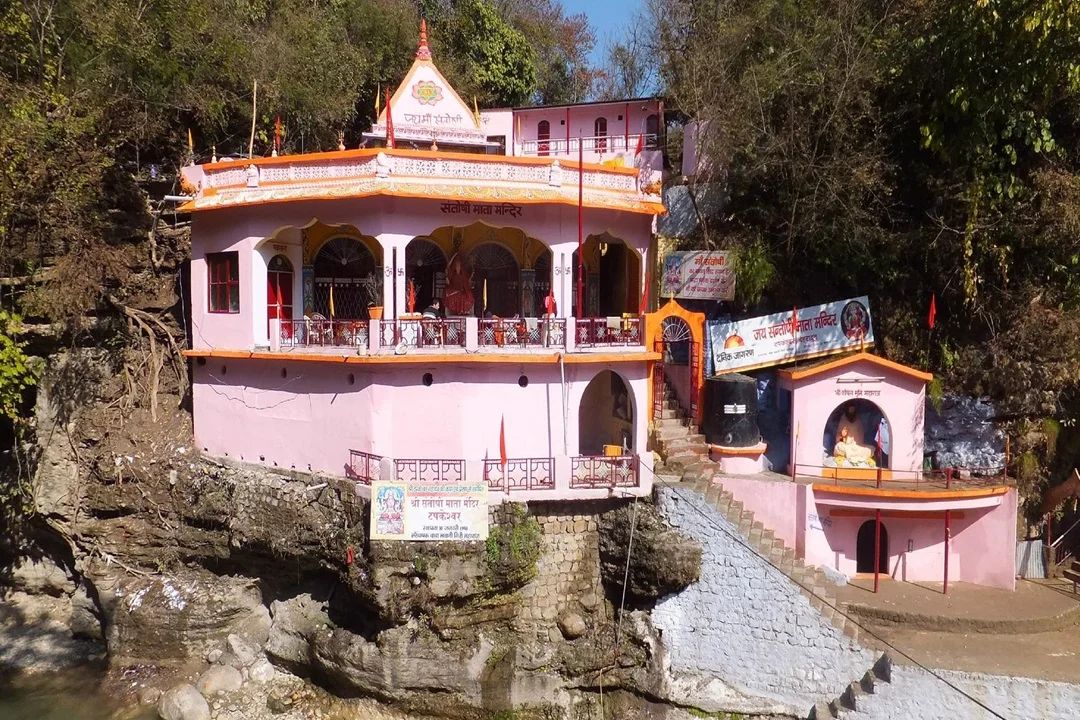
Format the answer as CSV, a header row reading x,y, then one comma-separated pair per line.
x,y
389,124
502,444
933,311
794,321
645,292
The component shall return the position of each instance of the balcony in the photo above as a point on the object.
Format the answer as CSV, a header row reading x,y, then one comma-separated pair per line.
x,y
459,335
543,478
596,145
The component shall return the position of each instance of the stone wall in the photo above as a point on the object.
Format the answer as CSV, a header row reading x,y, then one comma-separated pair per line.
x,y
915,693
568,569
744,638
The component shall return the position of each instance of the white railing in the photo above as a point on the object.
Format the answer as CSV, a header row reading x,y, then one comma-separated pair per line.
x,y
474,169
595,145
459,334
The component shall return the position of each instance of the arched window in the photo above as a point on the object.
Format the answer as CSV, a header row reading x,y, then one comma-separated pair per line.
x,y
543,134
600,131
346,280
652,132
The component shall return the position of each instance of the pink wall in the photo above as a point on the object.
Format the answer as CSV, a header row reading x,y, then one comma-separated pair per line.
x,y
311,417
777,504
583,118
900,397
982,550
254,232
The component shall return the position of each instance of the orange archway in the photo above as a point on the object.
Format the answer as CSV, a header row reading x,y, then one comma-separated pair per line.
x,y
654,330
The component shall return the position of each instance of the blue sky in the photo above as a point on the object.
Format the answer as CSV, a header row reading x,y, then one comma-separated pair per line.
x,y
607,17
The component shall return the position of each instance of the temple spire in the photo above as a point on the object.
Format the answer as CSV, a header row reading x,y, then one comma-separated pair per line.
x,y
423,52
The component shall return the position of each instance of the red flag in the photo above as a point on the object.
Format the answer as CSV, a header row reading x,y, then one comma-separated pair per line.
x,y
645,291
640,144
933,311
389,123
794,321
277,133
549,302
502,444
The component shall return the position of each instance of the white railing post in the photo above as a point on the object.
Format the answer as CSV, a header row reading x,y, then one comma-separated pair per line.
x,y
571,334
472,334
275,334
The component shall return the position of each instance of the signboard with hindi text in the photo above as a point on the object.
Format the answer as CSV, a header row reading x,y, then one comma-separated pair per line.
x,y
779,338
698,275
429,511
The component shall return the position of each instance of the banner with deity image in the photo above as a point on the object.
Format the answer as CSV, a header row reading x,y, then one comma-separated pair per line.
x,y
781,337
429,511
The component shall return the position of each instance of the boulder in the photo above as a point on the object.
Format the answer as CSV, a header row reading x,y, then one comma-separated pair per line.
x,y
572,626
183,702
661,560
219,679
41,576
168,620
262,671
240,648
296,622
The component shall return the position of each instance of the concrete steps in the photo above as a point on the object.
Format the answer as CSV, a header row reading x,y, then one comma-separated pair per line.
x,y
856,694
686,454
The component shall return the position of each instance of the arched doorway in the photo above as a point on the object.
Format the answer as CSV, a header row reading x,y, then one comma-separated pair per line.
x,y
279,290
426,267
543,134
346,279
856,435
652,132
678,367
541,282
612,282
606,414
600,132
864,549
494,271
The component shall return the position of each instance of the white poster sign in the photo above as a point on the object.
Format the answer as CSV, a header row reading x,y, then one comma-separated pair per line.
x,y
429,511
698,275
780,338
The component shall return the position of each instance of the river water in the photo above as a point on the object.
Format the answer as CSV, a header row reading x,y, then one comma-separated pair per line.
x,y
61,696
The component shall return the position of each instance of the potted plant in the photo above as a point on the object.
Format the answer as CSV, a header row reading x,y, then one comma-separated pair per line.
x,y
373,287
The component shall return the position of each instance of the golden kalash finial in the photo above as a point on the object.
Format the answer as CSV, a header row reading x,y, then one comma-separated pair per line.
x,y
423,52
341,140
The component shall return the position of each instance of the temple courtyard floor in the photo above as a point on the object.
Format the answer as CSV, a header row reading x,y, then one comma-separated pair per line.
x,y
1030,632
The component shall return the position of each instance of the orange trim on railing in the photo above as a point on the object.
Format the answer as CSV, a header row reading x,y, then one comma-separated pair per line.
x,y
909,494
422,359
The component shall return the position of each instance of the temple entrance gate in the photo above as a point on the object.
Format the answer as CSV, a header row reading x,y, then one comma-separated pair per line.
x,y
678,338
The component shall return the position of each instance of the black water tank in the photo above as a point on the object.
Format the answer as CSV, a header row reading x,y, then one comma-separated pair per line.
x,y
731,411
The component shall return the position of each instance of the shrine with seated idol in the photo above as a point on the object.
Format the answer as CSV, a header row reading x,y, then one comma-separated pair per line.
x,y
462,297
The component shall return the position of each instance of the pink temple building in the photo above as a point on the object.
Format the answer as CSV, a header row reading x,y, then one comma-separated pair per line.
x,y
311,275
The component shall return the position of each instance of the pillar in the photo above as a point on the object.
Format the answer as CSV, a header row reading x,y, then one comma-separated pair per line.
x,y
527,285
394,280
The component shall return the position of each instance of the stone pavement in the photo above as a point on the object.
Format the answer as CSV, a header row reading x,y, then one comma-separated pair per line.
x,y
1028,633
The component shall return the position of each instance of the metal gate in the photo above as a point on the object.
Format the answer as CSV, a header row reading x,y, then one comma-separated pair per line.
x,y
676,347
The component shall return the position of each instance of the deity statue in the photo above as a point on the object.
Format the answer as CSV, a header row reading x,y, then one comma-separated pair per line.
x,y
849,450
459,296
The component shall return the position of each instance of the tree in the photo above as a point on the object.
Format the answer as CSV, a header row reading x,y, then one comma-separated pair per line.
x,y
630,68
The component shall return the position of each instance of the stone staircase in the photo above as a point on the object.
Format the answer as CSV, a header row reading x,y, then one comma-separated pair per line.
x,y
686,455
846,706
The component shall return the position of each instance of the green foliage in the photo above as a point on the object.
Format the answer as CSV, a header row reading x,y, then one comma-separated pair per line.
x,y
17,374
512,549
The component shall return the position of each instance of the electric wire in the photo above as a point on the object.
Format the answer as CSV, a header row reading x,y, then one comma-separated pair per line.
x,y
739,539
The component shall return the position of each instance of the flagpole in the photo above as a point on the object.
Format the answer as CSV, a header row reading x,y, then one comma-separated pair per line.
x,y
581,228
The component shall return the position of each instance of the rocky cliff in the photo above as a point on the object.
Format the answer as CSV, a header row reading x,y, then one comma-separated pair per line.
x,y
157,562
